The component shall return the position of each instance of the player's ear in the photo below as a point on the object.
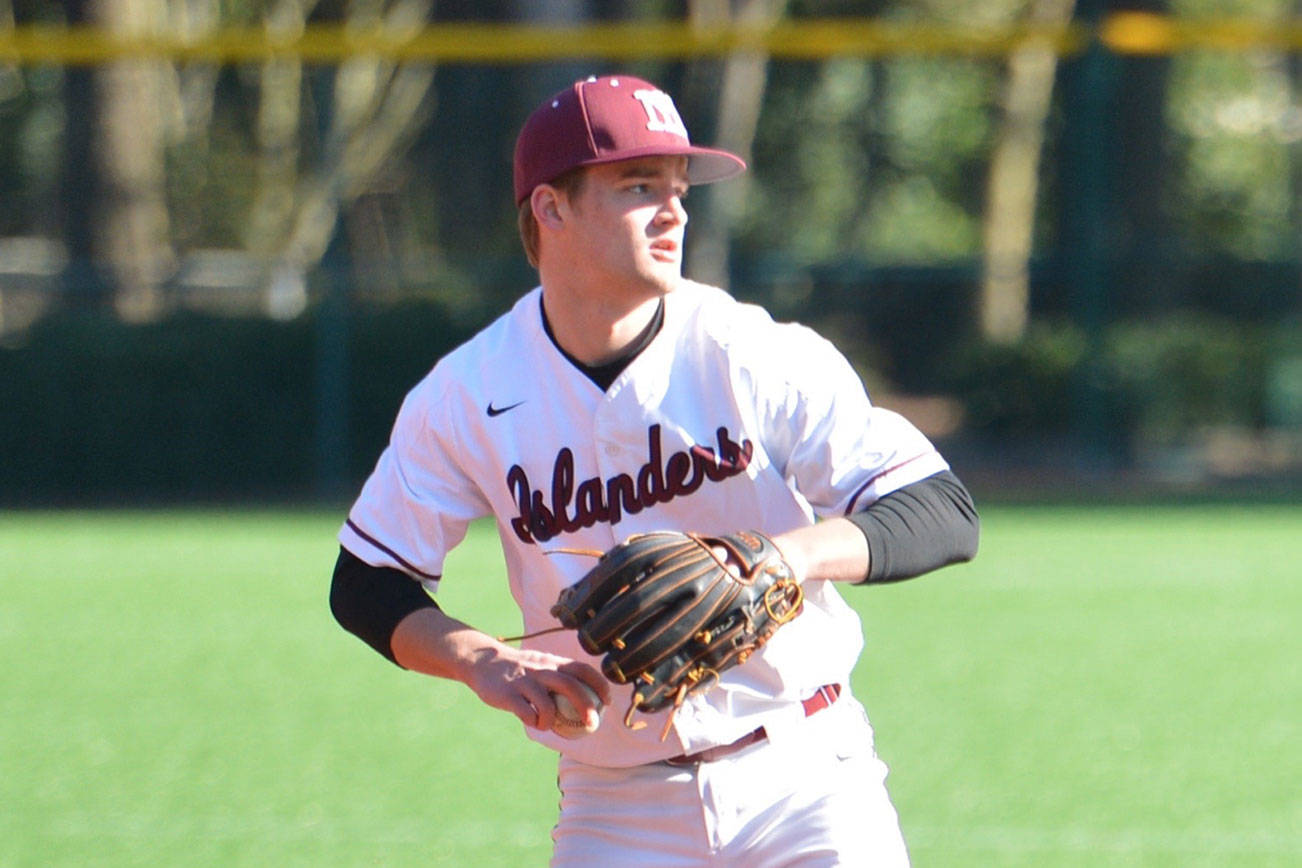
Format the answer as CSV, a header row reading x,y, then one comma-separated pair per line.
x,y
545,201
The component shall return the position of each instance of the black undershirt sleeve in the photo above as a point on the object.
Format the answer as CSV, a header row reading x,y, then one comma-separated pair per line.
x,y
369,601
919,528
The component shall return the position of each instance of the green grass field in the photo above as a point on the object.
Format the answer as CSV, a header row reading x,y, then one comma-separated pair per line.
x,y
1103,686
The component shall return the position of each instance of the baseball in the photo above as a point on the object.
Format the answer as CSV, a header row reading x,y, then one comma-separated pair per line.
x,y
569,723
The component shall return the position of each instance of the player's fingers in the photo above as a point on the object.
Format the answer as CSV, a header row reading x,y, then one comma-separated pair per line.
x,y
523,709
560,684
536,693
521,695
575,689
505,696
589,676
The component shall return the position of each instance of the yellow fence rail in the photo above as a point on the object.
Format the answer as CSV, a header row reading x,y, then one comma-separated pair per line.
x,y
1127,33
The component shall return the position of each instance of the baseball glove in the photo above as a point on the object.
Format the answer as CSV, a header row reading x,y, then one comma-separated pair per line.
x,y
670,613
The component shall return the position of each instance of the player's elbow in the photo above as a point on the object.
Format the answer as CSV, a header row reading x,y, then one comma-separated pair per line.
x,y
965,525
967,540
369,601
956,542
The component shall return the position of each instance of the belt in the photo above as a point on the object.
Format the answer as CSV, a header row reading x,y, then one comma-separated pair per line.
x,y
822,698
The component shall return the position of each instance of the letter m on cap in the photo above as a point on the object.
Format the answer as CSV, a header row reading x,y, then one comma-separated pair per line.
x,y
661,115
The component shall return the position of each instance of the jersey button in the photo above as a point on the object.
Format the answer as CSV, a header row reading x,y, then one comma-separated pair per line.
x,y
612,449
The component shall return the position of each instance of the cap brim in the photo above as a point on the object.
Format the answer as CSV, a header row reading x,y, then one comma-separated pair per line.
x,y
704,165
707,165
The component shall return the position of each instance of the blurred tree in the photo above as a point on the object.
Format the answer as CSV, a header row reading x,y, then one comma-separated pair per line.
x,y
277,148
371,110
12,88
151,163
79,189
870,159
1234,121
11,81
1143,240
119,119
189,104
739,95
1291,133
133,225
859,162
1012,185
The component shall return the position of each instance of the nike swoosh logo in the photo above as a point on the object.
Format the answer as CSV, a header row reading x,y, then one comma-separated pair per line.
x,y
498,411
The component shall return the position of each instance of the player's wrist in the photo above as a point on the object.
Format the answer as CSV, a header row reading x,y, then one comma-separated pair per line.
x,y
792,554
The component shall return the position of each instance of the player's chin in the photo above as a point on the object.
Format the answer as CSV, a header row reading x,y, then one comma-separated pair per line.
x,y
663,274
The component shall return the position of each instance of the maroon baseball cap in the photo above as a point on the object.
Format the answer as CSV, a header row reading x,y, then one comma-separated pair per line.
x,y
602,120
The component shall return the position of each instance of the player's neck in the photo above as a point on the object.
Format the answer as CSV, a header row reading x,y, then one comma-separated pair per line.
x,y
596,330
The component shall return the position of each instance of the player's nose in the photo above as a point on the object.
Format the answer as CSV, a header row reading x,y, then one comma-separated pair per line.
x,y
671,211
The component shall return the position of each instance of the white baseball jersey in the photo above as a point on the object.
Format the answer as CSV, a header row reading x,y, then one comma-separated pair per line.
x,y
726,421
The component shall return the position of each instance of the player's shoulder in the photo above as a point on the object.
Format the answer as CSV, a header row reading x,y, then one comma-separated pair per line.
x,y
469,370
740,326
717,314
500,339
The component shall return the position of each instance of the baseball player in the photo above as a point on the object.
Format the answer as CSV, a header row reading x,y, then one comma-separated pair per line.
x,y
619,397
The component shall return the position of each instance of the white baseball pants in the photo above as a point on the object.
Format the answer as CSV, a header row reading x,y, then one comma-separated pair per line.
x,y
812,801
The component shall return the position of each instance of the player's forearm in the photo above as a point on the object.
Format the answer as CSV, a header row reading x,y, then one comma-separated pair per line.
x,y
435,643
833,550
391,612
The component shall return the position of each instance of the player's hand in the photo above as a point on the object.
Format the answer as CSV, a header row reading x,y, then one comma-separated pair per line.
x,y
519,681
512,679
